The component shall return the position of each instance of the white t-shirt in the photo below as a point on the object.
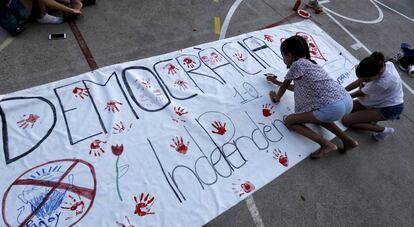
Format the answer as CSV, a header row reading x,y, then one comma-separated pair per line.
x,y
385,91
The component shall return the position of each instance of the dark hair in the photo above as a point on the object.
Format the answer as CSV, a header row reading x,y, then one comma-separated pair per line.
x,y
371,65
297,46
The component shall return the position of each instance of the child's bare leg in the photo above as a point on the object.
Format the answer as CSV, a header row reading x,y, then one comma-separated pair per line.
x,y
56,5
326,146
362,120
295,122
76,4
348,141
40,9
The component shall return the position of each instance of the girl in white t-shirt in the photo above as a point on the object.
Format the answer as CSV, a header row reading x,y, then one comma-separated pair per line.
x,y
380,96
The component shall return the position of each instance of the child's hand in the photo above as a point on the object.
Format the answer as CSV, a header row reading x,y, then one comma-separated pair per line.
x,y
272,78
76,11
274,97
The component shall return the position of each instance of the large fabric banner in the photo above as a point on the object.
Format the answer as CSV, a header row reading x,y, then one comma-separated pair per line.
x,y
171,140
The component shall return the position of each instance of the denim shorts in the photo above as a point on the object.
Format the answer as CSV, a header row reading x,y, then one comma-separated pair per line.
x,y
12,16
334,111
392,112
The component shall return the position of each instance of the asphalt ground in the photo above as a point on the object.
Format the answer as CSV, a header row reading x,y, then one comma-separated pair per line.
x,y
371,185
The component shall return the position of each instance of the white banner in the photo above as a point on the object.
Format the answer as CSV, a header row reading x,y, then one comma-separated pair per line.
x,y
172,140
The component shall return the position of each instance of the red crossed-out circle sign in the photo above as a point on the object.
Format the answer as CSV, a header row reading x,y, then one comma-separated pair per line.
x,y
68,201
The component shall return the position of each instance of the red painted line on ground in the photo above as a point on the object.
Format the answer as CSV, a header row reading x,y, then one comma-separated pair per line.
x,y
284,20
82,44
48,195
85,192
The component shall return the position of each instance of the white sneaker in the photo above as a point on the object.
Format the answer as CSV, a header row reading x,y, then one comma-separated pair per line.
x,y
49,19
384,134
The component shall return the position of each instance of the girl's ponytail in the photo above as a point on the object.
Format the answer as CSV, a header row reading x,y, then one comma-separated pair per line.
x,y
306,49
297,46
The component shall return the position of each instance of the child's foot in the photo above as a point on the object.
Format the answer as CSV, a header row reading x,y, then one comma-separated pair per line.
x,y
379,136
348,145
273,97
323,150
49,19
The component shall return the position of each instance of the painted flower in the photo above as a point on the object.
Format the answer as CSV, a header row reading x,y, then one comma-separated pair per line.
x,y
117,149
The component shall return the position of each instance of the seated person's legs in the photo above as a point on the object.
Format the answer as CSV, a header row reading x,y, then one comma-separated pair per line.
x,y
15,14
21,9
43,17
9,22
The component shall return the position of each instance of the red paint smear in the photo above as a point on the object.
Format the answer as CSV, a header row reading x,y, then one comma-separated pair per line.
x,y
85,192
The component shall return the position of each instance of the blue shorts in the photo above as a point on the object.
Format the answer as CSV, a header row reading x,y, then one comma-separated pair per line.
x,y
19,10
392,112
334,111
12,16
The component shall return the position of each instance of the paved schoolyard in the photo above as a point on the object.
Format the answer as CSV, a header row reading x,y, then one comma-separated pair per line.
x,y
371,185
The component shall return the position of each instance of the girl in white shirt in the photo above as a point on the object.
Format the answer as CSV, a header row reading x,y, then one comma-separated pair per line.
x,y
380,96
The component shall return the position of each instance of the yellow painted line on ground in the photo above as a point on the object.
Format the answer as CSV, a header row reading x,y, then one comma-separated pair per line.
x,y
6,43
216,1
217,25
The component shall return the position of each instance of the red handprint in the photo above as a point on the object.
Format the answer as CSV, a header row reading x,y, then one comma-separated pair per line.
x,y
242,188
181,84
267,110
146,83
179,111
239,57
179,145
123,225
74,205
282,158
247,187
96,148
215,57
205,59
28,120
189,63
120,127
221,129
171,68
143,207
111,106
268,38
82,92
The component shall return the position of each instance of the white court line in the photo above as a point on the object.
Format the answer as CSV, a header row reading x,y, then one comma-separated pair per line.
x,y
365,48
251,205
395,11
228,18
324,2
6,43
348,32
254,212
379,19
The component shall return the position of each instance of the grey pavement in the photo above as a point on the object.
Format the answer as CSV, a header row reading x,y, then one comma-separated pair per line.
x,y
372,185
